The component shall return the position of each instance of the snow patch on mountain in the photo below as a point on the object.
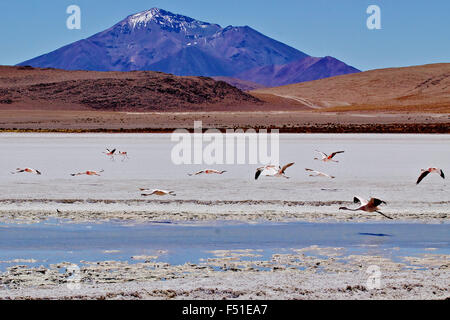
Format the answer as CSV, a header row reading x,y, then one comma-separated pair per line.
x,y
165,18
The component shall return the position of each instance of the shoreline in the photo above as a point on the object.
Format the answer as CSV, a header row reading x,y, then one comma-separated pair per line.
x,y
286,121
333,129
252,216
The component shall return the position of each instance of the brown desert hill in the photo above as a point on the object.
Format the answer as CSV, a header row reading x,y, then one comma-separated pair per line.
x,y
417,88
34,88
244,85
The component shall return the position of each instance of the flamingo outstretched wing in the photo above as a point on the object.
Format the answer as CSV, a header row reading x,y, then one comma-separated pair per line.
x,y
287,166
323,154
335,153
423,175
358,199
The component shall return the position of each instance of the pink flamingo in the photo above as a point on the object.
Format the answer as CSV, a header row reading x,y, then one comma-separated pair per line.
x,y
367,206
428,171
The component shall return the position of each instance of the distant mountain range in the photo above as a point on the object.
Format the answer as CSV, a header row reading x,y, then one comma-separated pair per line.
x,y
306,69
158,40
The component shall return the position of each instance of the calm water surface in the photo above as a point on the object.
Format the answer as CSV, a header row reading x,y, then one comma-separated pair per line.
x,y
54,241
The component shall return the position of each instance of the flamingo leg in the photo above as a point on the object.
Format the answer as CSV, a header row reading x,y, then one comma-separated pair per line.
x,y
384,215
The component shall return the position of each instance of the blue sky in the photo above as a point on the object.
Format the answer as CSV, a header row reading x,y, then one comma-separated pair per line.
x,y
413,32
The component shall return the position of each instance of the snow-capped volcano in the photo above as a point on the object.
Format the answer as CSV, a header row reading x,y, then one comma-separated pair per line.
x,y
159,40
175,22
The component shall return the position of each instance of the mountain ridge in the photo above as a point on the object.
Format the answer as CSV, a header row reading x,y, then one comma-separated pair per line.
x,y
307,69
158,40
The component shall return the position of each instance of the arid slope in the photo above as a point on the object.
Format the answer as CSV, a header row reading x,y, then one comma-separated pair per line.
x,y
418,88
45,89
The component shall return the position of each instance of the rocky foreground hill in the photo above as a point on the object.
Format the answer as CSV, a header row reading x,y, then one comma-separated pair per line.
x,y
34,88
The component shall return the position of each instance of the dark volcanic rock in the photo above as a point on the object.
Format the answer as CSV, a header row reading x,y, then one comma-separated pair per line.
x,y
117,91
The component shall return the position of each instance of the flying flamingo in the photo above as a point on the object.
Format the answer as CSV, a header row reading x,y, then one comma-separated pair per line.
x,y
29,170
272,171
328,158
124,154
367,206
428,171
88,173
207,171
318,174
157,192
110,153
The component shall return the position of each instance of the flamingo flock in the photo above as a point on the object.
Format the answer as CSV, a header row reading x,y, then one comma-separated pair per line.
x,y
270,170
